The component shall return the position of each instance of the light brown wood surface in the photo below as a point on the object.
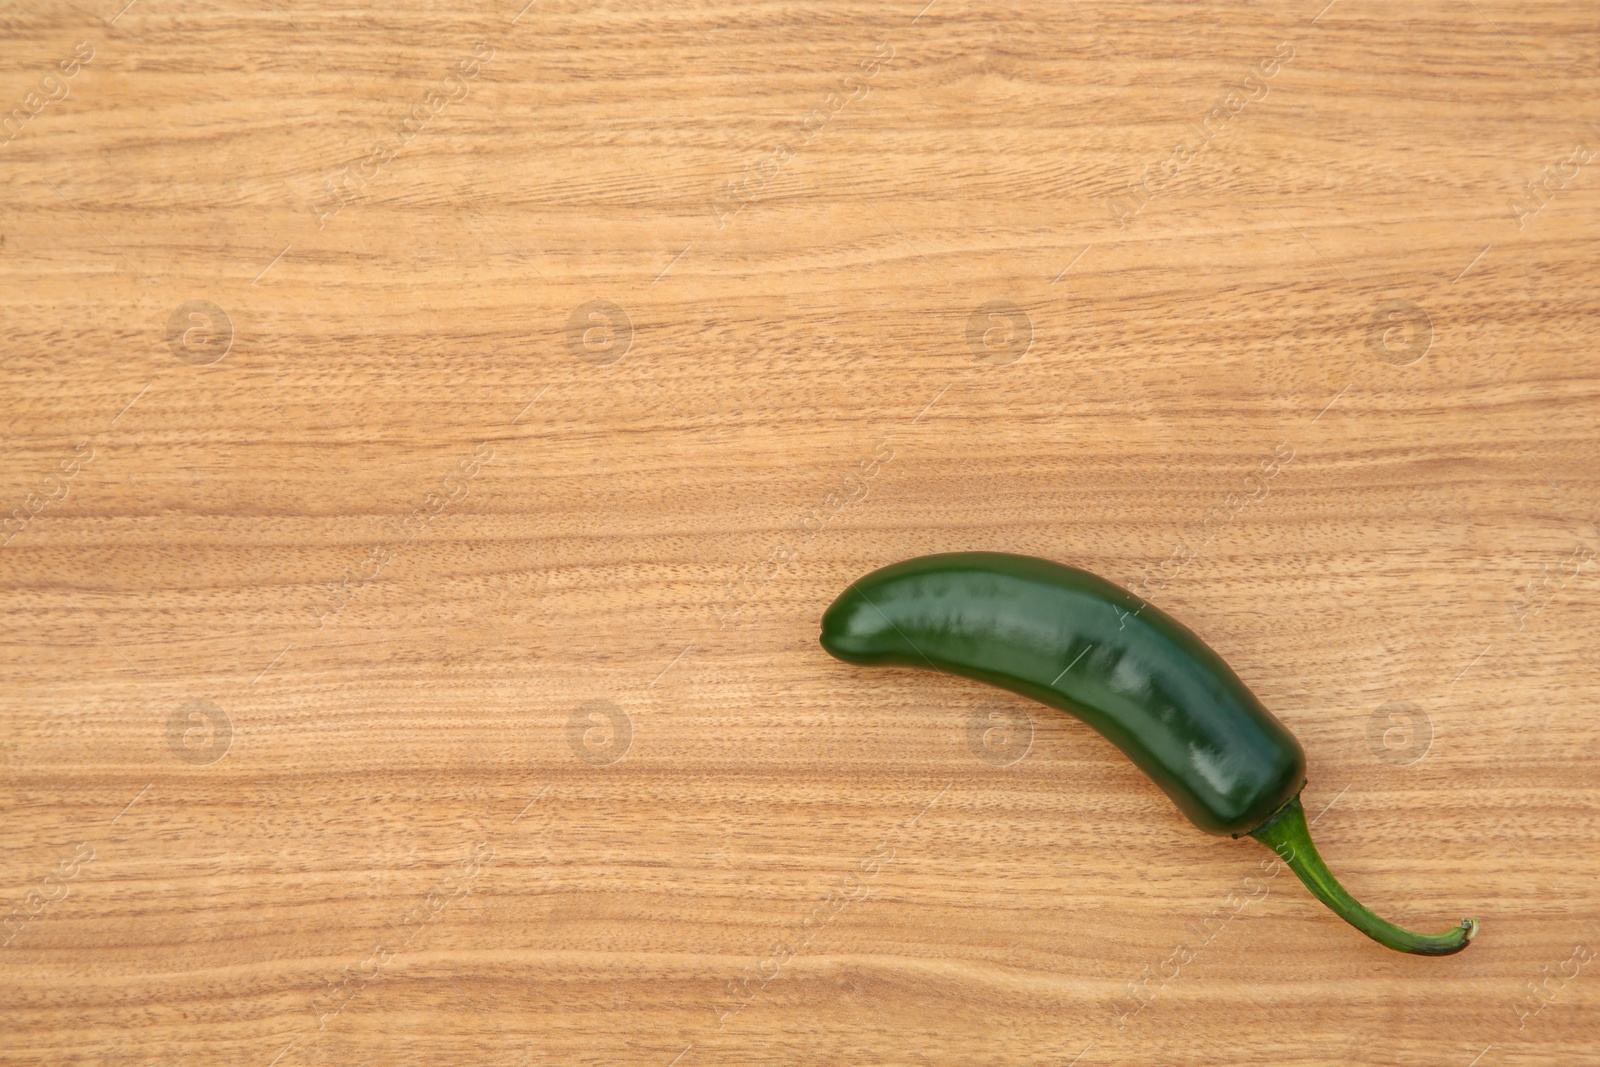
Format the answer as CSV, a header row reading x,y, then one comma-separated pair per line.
x,y
396,674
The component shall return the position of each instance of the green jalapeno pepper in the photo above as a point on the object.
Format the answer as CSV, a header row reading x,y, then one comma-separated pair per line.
x,y
1077,642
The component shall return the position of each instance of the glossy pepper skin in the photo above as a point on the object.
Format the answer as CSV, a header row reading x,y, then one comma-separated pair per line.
x,y
1074,641
1067,638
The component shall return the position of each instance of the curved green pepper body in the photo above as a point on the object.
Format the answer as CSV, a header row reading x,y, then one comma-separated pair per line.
x,y
1067,638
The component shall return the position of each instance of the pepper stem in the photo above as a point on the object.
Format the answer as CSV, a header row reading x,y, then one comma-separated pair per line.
x,y
1286,834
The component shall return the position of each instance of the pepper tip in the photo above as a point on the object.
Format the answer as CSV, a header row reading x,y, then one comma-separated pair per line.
x,y
1471,927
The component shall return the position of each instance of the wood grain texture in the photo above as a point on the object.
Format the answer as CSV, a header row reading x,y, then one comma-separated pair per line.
x,y
409,660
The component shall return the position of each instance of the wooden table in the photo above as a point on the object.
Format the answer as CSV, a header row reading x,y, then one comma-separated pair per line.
x,y
432,432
